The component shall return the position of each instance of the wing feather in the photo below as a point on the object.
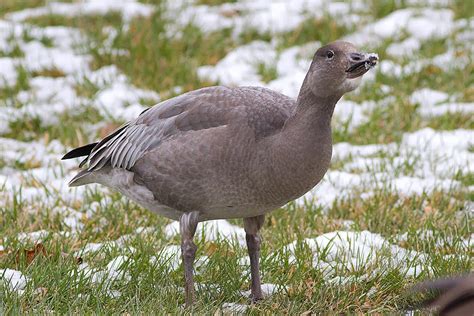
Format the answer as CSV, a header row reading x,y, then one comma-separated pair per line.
x,y
200,109
123,154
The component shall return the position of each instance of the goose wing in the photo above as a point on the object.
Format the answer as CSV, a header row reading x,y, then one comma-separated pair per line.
x,y
263,110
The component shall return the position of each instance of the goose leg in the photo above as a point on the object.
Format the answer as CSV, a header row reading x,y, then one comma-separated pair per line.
x,y
252,226
187,225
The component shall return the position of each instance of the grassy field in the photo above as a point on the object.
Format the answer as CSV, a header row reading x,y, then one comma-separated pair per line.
x,y
46,229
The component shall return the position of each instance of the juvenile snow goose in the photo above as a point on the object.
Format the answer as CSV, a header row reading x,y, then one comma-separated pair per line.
x,y
219,152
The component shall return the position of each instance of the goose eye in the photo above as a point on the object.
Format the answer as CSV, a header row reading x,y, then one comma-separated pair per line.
x,y
330,54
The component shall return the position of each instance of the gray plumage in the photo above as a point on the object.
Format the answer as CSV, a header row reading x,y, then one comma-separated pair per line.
x,y
453,296
221,152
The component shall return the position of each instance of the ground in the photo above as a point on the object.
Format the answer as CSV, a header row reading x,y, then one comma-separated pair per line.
x,y
395,208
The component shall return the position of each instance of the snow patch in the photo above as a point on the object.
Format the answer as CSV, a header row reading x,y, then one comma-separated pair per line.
x,y
234,308
212,231
260,15
33,237
268,289
128,9
121,101
116,270
15,280
428,97
434,158
419,24
240,66
355,253
405,48
431,105
169,256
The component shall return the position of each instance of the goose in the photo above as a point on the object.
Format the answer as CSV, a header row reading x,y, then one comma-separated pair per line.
x,y
227,152
454,295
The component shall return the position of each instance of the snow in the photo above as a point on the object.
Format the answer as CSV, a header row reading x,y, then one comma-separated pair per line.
x,y
116,270
212,231
406,48
261,15
15,280
121,101
240,65
43,175
428,97
8,74
343,151
450,60
438,238
268,289
355,253
350,115
435,157
420,24
121,244
33,237
169,256
447,108
234,308
440,141
431,103
128,9
89,248
46,99
38,57
50,97
117,263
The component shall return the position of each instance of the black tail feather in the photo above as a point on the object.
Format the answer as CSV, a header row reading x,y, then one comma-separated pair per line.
x,y
79,151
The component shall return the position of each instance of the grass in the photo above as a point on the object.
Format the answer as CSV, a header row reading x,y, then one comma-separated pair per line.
x,y
451,121
267,72
214,2
150,50
70,128
91,23
153,52
53,73
281,227
324,30
161,61
8,94
14,52
379,9
462,9
15,5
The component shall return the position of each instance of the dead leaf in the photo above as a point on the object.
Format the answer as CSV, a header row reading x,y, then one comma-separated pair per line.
x,y
429,210
78,260
76,204
291,271
38,250
31,254
229,13
273,221
40,293
211,248
309,287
